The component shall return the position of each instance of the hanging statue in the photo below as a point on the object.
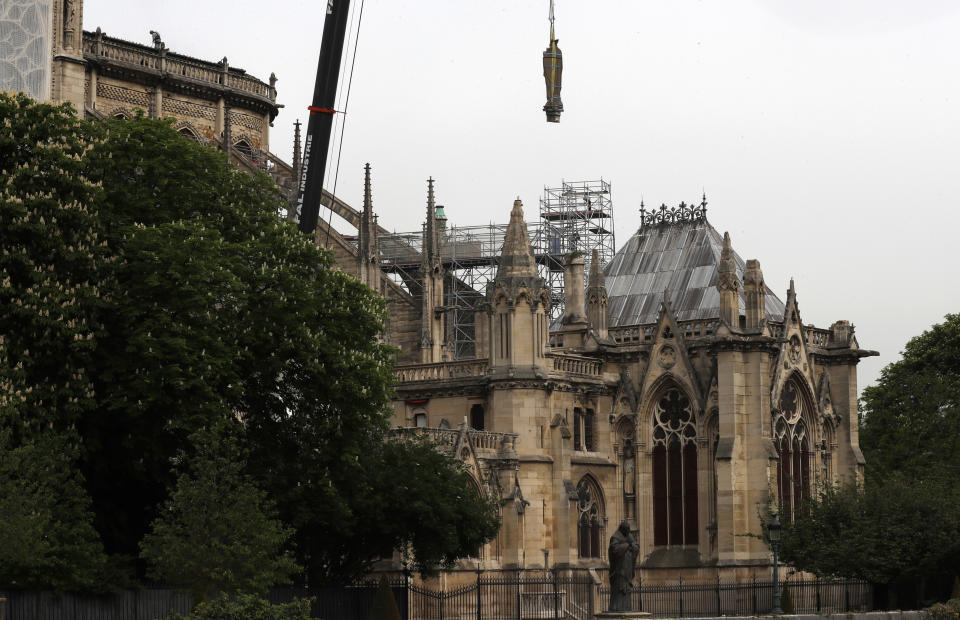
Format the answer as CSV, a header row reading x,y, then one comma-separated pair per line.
x,y
552,72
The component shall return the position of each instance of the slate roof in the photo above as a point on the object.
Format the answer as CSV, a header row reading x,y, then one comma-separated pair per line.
x,y
681,257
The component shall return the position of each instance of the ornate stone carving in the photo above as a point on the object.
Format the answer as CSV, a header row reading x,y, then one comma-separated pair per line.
x,y
667,356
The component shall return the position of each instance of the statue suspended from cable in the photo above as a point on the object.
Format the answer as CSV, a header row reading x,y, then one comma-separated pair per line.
x,y
552,72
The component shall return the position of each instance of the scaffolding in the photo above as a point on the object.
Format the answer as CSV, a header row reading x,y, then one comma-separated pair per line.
x,y
575,217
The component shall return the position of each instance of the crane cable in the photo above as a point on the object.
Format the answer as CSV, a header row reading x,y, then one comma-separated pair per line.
x,y
345,100
553,51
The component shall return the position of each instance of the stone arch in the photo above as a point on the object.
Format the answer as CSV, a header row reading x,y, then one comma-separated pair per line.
x,y
187,130
795,439
121,113
591,517
243,146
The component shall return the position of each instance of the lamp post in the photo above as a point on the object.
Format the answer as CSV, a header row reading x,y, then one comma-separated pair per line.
x,y
773,533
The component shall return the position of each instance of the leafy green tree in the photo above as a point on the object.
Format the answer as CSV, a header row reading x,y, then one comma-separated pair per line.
x,y
901,526
47,539
423,500
218,532
899,529
911,417
51,272
151,290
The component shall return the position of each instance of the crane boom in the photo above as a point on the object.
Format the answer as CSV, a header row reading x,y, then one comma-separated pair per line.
x,y
320,125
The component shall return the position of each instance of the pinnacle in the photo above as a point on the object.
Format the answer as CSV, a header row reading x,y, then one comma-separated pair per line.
x,y
516,259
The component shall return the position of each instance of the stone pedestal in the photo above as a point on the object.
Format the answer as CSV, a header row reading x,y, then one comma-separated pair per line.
x,y
622,615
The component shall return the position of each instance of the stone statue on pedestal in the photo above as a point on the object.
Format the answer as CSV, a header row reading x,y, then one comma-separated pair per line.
x,y
623,557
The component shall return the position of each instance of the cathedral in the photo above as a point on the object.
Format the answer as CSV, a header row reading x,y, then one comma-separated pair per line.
x,y
674,391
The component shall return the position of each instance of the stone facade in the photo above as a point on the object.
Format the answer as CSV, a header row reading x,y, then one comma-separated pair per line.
x,y
101,76
690,427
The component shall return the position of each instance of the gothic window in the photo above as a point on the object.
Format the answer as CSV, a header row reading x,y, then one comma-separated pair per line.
x,y
589,519
476,417
584,429
186,132
791,438
244,147
674,471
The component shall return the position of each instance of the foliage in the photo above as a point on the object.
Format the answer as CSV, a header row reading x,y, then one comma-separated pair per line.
x,y
897,529
47,539
911,417
384,604
786,601
50,274
901,525
424,500
248,607
218,533
944,611
151,290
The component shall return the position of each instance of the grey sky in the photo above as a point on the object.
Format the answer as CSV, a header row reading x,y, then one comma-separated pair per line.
x,y
826,134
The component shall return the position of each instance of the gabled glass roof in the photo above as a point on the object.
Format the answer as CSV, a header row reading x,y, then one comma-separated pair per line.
x,y
681,257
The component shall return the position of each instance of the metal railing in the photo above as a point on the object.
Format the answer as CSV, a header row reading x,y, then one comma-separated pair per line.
x,y
481,595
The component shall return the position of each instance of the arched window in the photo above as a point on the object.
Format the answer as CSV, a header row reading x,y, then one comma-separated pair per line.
x,y
584,429
791,438
674,471
186,132
476,417
244,147
590,518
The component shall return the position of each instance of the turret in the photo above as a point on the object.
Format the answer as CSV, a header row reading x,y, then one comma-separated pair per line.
x,y
519,304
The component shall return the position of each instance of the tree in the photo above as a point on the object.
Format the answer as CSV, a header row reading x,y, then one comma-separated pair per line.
x,y
47,539
900,527
51,270
911,417
218,533
154,291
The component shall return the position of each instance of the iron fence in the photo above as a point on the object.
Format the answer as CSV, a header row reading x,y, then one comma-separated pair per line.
x,y
570,594
692,600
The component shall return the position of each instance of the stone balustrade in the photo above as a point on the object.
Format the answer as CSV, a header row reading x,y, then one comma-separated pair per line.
x,y
816,337
576,365
463,369
481,440
104,49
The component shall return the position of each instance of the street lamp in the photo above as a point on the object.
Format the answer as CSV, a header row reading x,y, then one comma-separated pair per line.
x,y
773,533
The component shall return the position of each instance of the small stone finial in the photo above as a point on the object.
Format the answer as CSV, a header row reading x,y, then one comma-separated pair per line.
x,y
728,284
666,297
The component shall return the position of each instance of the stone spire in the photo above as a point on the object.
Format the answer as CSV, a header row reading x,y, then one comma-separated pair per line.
x,y
431,278
728,285
516,259
368,243
597,298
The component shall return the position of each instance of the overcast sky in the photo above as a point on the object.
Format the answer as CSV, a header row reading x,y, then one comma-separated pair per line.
x,y
826,134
